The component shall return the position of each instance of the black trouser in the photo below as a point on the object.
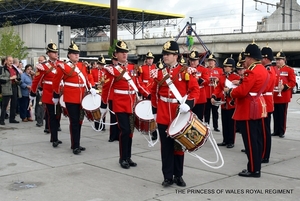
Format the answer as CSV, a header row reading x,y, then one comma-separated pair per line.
x,y
252,137
199,110
215,114
114,131
24,110
39,109
52,120
228,126
172,160
125,139
267,141
279,115
75,123
13,104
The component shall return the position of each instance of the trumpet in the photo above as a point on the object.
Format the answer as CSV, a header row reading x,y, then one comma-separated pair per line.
x,y
279,86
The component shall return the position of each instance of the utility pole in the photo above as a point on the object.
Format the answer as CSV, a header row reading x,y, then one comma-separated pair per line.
x,y
242,19
113,21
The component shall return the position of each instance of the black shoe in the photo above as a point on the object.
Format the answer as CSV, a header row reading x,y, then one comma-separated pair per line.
x,y
154,136
82,148
243,150
59,142
216,129
274,134
46,131
59,129
222,144
76,151
2,123
110,140
167,182
39,125
230,146
179,181
245,173
55,144
281,135
13,121
265,160
124,164
131,163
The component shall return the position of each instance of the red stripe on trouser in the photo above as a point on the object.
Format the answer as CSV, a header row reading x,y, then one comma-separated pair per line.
x,y
251,162
284,118
180,153
264,138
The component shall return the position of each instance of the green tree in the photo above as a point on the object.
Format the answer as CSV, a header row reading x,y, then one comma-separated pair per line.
x,y
11,43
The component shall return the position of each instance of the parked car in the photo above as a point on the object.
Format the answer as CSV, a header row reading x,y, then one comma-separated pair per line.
x,y
297,73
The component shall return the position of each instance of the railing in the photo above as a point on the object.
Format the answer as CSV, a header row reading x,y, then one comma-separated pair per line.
x,y
173,32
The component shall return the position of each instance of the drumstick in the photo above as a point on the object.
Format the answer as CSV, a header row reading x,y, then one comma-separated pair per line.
x,y
54,108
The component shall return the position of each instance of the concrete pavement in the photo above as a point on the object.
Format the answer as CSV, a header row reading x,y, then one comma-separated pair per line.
x,y
32,170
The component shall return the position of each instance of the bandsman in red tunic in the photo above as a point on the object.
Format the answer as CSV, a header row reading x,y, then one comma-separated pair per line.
x,y
165,105
145,77
43,78
285,82
75,80
98,77
121,80
214,73
227,109
202,76
267,58
251,108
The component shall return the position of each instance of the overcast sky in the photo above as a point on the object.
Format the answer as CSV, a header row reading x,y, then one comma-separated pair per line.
x,y
208,15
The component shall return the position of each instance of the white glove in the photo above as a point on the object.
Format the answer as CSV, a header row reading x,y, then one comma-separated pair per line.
x,y
93,91
103,111
184,108
55,101
154,116
31,98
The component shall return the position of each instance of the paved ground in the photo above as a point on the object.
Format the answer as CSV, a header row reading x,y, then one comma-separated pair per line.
x,y
32,170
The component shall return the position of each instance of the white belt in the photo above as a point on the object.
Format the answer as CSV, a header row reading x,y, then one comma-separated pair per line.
x,y
117,91
73,84
253,94
47,82
168,100
268,94
145,81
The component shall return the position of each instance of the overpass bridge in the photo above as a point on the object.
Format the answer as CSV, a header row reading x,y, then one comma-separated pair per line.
x,y
222,45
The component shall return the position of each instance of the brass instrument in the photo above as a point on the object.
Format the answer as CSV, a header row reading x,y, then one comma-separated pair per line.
x,y
279,86
213,81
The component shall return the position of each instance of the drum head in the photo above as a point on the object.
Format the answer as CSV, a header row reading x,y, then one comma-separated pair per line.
x,y
62,102
144,110
90,102
181,123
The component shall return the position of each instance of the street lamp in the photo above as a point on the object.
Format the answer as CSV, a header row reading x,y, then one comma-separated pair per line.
x,y
59,34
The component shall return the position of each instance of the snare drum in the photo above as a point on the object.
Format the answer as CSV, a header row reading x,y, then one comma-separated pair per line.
x,y
144,119
91,106
63,106
188,131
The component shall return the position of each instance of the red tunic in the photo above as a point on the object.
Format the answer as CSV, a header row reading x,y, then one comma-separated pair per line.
x,y
166,110
144,75
268,95
254,79
202,74
74,87
43,78
288,77
124,95
219,90
213,73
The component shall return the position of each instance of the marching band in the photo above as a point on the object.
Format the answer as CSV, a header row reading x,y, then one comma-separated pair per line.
x,y
172,93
